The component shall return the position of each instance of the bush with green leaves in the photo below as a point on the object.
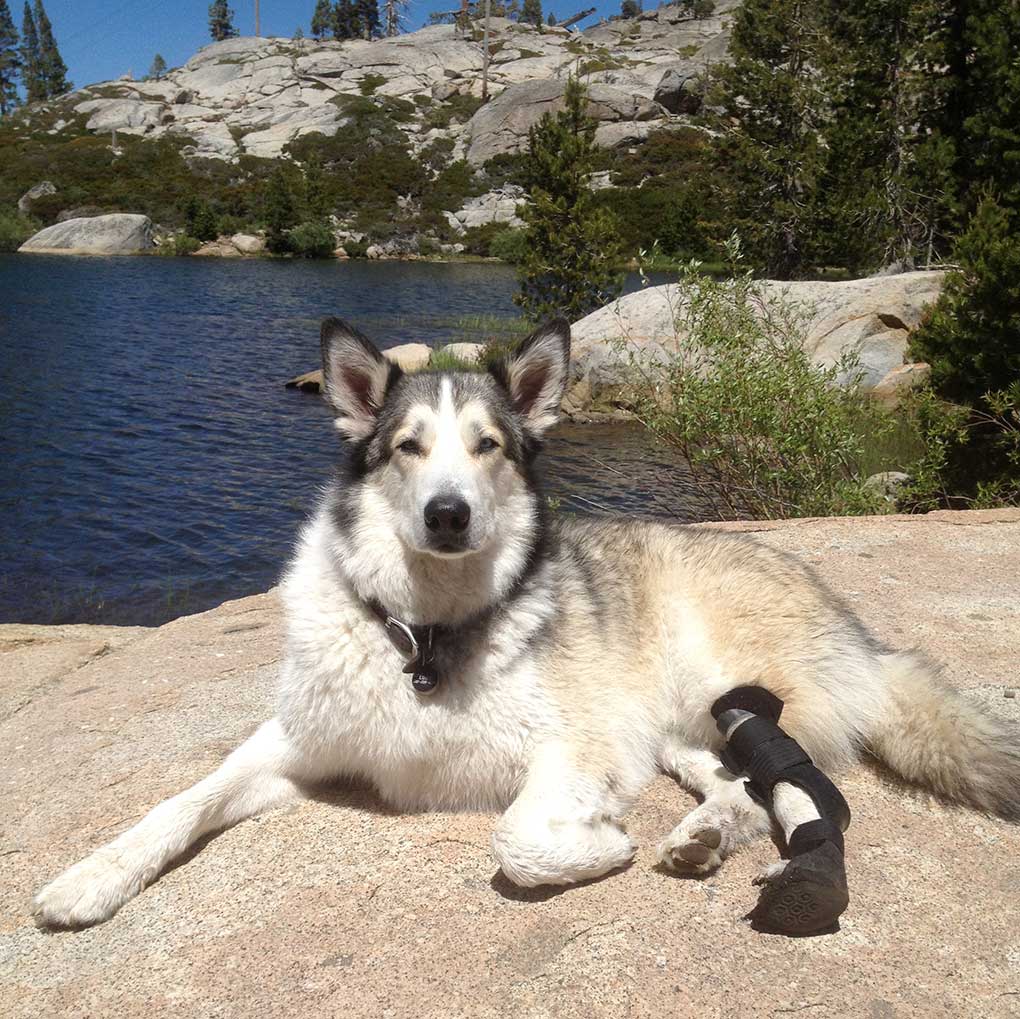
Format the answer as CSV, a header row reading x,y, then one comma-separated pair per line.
x,y
313,239
509,245
179,245
15,229
767,432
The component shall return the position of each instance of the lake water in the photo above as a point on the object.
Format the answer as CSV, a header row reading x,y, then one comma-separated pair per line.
x,y
152,463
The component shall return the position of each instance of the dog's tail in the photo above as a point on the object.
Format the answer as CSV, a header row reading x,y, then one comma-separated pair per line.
x,y
934,736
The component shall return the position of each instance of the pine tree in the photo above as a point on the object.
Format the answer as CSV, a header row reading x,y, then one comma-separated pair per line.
x,y
31,72
882,192
322,19
52,69
972,337
571,249
280,215
630,8
551,20
221,21
769,155
158,68
368,17
10,61
977,76
531,13
346,20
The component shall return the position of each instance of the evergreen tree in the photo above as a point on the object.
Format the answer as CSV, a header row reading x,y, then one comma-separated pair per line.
x,y
221,21
972,337
571,253
158,68
299,34
322,19
769,155
975,77
551,20
368,17
883,193
52,69
630,8
31,72
531,13
280,215
10,61
346,20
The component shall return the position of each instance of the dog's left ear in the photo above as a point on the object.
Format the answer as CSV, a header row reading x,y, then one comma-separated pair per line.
x,y
355,376
535,374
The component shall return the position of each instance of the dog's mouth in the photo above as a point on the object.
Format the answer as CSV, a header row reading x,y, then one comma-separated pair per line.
x,y
449,550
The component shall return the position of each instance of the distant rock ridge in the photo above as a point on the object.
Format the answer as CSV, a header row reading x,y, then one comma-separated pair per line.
x,y
255,95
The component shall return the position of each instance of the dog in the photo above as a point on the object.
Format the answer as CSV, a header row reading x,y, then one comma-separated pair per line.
x,y
457,646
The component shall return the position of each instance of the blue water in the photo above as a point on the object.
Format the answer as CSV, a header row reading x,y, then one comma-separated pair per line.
x,y
151,461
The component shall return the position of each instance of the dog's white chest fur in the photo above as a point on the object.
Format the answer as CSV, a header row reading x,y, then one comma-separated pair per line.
x,y
345,699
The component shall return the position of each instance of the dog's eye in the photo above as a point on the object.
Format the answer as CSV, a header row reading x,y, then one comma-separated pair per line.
x,y
410,447
487,445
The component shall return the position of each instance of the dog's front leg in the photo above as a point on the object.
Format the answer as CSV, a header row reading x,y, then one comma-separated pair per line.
x,y
561,827
260,774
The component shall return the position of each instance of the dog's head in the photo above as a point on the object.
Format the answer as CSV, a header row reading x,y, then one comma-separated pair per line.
x,y
445,455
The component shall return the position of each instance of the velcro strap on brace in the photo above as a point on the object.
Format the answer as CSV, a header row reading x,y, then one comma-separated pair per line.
x,y
811,834
755,699
767,755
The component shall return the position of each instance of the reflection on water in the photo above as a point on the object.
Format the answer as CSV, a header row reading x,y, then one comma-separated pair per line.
x,y
151,462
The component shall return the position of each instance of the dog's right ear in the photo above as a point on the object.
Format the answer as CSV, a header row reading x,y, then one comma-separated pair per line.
x,y
355,378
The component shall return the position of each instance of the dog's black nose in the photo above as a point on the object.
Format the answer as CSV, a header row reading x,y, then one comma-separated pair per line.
x,y
447,515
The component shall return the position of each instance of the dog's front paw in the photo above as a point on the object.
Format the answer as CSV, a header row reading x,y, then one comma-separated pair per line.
x,y
88,893
692,849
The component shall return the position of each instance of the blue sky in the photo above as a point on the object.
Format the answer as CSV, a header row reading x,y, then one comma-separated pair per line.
x,y
103,39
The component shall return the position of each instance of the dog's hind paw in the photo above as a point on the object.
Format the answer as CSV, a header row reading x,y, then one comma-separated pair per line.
x,y
88,893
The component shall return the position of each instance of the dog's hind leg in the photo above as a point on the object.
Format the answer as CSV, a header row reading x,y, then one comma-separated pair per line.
x,y
726,818
262,773
562,827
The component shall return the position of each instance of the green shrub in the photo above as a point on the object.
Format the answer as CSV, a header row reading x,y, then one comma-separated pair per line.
x,y
179,245
15,229
766,432
509,245
370,83
312,240
356,249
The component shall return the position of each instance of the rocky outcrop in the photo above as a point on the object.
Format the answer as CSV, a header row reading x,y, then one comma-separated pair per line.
x,y
872,317
300,911
115,234
255,95
41,190
502,125
499,206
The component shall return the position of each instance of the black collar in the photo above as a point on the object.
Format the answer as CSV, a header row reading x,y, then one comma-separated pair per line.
x,y
417,644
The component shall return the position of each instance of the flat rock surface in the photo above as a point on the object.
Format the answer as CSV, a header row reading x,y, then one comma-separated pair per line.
x,y
340,907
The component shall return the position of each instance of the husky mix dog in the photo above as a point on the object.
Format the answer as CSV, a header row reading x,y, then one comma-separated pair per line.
x,y
559,664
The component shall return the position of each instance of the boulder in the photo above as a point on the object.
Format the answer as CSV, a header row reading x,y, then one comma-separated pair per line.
x,y
502,125
466,352
499,206
678,93
872,317
888,485
892,387
410,357
116,234
309,382
248,244
40,190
